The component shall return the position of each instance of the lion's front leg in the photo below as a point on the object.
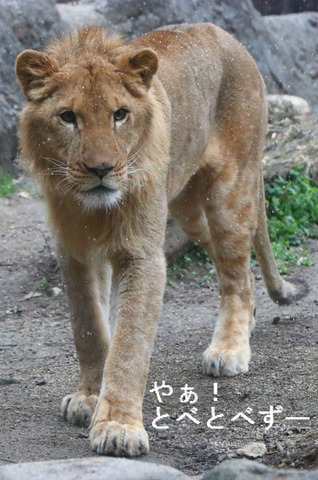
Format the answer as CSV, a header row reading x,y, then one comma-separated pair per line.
x,y
117,426
89,312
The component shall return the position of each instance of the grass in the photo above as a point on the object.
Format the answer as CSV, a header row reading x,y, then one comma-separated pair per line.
x,y
195,257
43,284
7,186
292,211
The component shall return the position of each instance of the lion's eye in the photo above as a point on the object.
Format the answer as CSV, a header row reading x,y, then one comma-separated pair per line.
x,y
68,116
120,114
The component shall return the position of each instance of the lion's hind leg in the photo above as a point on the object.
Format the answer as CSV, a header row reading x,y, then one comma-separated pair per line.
x,y
218,210
188,210
230,201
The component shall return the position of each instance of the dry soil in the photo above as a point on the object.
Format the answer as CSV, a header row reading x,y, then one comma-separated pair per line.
x,y
38,365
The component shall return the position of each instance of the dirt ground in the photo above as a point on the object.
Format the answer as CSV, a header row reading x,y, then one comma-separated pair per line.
x,y
38,365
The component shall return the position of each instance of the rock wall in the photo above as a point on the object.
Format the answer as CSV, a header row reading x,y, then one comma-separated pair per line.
x,y
292,138
23,24
298,34
277,7
285,47
272,42
32,22
10,96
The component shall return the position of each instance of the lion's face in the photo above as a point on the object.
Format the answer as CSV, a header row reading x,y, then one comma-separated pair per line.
x,y
87,120
93,130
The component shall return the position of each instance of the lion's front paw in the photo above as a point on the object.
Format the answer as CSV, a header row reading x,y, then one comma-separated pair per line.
x,y
226,362
121,440
78,408
117,433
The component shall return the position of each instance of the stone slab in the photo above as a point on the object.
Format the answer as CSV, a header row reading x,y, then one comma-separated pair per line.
x,y
92,468
253,470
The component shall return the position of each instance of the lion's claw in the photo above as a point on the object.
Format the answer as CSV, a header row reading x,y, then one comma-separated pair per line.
x,y
121,440
221,362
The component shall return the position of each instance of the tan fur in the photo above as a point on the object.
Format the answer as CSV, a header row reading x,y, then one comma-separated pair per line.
x,y
192,140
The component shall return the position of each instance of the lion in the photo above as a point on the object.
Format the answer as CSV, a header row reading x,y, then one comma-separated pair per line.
x,y
119,133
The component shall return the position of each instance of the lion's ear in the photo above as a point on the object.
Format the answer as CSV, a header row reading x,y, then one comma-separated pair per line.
x,y
32,68
143,63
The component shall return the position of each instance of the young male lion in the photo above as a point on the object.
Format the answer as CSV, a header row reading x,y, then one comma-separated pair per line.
x,y
117,133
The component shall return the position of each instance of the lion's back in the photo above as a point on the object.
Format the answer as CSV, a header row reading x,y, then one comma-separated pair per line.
x,y
209,77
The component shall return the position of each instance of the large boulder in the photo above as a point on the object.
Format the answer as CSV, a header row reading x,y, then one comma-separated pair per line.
x,y
22,25
75,15
281,107
291,142
90,469
251,470
32,22
10,96
285,47
134,17
297,52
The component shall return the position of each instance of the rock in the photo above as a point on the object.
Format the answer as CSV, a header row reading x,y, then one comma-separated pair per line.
x,y
248,470
286,106
176,242
253,450
18,31
95,468
8,381
297,53
303,451
10,96
133,17
291,143
19,16
283,46
277,7
269,49
55,291
39,383
30,295
76,15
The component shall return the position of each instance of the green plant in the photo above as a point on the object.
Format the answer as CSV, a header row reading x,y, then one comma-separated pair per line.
x,y
43,285
7,186
292,211
180,266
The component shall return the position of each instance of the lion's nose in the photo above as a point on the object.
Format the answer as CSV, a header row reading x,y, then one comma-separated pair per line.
x,y
100,170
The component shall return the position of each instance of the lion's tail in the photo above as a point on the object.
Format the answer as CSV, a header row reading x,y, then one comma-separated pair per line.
x,y
280,290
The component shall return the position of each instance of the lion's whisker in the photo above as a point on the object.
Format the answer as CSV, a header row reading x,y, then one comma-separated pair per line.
x,y
55,161
56,172
133,159
130,163
65,179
